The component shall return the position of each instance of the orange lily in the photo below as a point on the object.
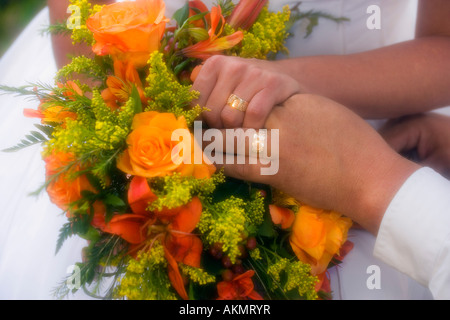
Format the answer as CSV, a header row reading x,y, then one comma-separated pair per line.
x,y
245,13
121,85
214,44
196,7
55,113
173,227
240,288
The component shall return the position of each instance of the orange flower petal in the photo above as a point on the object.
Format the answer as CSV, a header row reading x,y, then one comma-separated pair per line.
x,y
186,249
281,216
128,227
140,195
175,276
188,217
195,72
31,113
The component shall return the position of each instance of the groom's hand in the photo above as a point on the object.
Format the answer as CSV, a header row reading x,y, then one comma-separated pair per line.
x,y
330,158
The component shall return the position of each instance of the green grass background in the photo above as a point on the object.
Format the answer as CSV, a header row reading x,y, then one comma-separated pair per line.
x,y
14,17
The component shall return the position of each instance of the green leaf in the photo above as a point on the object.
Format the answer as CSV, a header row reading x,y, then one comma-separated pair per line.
x,y
266,229
199,34
313,22
196,17
92,234
180,67
182,14
47,130
137,100
38,135
30,139
114,200
65,232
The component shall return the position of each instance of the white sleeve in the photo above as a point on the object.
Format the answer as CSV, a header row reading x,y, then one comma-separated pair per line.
x,y
414,235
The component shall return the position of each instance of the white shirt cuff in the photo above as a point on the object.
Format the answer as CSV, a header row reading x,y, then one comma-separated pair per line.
x,y
414,236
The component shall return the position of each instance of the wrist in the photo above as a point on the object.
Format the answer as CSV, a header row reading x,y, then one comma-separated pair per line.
x,y
387,176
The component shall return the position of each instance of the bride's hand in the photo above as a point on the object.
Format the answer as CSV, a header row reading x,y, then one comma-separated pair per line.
x,y
222,76
428,134
329,158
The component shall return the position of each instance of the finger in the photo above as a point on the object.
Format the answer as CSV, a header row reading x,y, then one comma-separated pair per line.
x,y
252,82
251,143
217,100
225,84
244,171
233,112
439,161
276,90
204,83
258,110
402,136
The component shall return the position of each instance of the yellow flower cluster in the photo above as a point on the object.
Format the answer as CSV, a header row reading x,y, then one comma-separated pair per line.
x,y
224,223
83,10
166,93
81,65
93,133
267,35
197,275
255,210
146,277
298,276
175,190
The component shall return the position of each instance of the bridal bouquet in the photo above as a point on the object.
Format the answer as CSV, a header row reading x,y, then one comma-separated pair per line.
x,y
160,225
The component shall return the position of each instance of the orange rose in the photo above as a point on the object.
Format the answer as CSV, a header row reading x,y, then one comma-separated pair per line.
x,y
150,148
128,30
64,189
317,236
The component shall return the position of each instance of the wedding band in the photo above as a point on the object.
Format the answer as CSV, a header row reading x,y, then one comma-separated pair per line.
x,y
259,142
237,103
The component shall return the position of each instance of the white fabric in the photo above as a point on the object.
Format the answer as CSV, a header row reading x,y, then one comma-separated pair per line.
x,y
29,226
414,235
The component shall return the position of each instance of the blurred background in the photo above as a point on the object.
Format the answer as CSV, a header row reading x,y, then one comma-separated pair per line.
x,y
14,17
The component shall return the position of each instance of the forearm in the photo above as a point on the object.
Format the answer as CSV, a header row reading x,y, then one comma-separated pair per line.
x,y
62,44
401,79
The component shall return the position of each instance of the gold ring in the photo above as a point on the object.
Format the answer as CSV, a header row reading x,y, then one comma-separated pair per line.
x,y
237,103
259,141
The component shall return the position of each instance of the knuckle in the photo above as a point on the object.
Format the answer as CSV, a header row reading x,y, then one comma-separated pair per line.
x,y
229,118
255,112
271,79
212,119
214,60
254,72
234,67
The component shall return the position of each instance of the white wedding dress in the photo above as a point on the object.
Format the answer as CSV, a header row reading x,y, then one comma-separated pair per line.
x,y
29,226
